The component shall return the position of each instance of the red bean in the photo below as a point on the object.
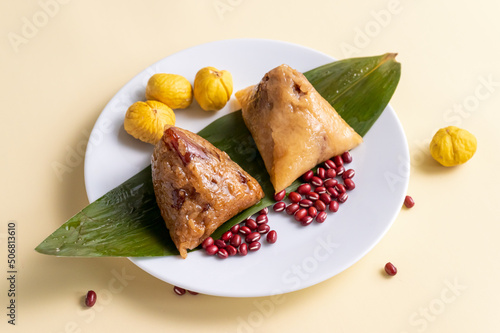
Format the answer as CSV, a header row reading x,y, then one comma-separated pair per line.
x,y
409,202
91,298
179,291
316,181
349,184
333,192
192,292
294,197
320,205
342,197
261,219
313,196
251,224
320,189
331,173
226,236
348,174
245,230
235,240
340,188
280,195
235,228
263,229
330,183
220,243
312,211
326,198
254,246
300,214
253,237
339,170
272,236
304,189
264,211
329,164
338,160
305,203
243,249
207,242
222,253
321,173
292,208
307,176
279,206
321,217
211,250
390,269
333,206
346,157
306,220
231,250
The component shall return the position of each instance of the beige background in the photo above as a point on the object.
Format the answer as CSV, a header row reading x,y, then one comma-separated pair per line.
x,y
56,79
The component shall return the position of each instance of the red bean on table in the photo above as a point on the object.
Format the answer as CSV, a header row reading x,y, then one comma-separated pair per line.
x,y
91,298
390,269
409,202
179,291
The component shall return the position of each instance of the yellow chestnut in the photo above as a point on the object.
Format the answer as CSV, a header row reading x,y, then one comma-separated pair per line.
x,y
146,121
212,88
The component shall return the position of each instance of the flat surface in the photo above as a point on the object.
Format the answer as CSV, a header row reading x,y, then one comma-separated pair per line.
x,y
58,76
338,243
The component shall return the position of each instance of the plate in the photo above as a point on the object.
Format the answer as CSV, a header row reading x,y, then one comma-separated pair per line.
x,y
302,256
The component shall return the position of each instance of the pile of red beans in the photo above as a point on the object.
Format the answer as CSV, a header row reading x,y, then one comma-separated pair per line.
x,y
321,191
242,238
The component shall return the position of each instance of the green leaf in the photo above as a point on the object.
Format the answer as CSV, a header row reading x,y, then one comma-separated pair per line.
x,y
126,221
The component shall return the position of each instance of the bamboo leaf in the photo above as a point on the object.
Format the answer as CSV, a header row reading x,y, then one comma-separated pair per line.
x,y
126,221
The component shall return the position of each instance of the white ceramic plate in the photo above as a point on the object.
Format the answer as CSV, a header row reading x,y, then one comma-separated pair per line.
x,y
302,256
